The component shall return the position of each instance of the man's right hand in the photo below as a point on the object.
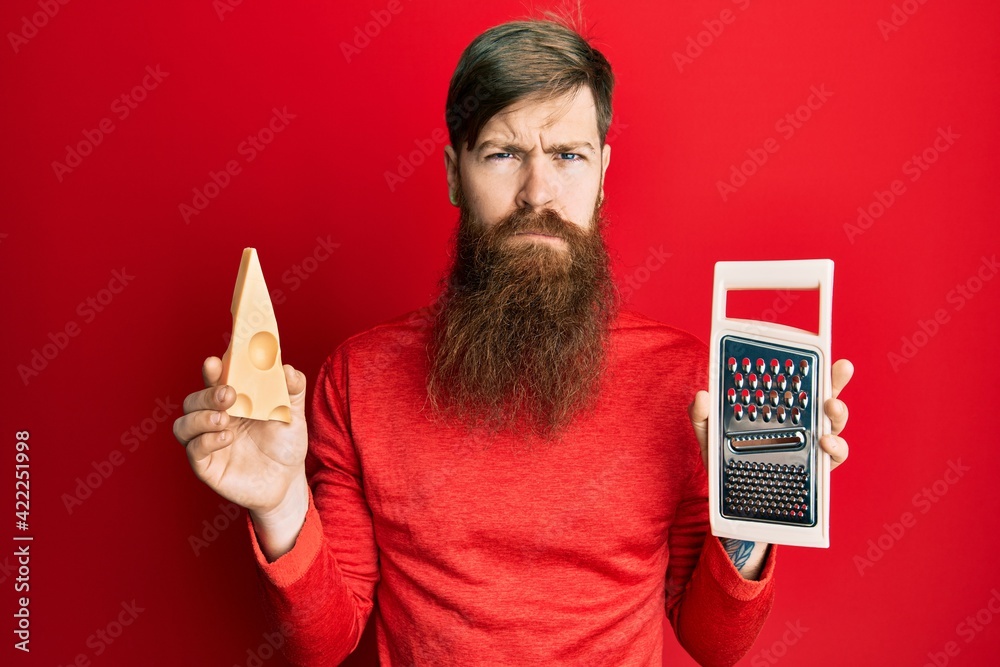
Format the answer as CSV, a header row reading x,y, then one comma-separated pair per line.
x,y
257,464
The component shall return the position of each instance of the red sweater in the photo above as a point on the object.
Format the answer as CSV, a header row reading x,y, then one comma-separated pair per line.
x,y
567,555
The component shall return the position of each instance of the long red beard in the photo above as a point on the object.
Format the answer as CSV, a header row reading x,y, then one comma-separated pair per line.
x,y
519,342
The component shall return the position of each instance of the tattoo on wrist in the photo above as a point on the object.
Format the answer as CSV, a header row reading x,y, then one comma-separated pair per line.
x,y
738,550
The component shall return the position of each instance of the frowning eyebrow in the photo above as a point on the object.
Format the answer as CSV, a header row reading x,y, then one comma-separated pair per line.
x,y
510,147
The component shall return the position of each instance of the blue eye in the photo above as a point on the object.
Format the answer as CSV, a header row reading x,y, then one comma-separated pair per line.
x,y
496,157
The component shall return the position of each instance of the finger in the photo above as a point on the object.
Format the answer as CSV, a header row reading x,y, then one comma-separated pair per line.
x,y
698,410
296,383
840,374
836,447
207,444
836,410
190,426
211,371
213,398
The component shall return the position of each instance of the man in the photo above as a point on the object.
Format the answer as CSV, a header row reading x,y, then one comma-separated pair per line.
x,y
513,469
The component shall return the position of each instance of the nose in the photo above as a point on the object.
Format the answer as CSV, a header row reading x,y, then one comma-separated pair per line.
x,y
539,186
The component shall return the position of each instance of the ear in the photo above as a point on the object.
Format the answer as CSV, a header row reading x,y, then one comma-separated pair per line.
x,y
451,167
605,161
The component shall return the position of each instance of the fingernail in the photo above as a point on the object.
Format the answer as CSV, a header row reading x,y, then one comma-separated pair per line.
x,y
221,394
216,417
224,436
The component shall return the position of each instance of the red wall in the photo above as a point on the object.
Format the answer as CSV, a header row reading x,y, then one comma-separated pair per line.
x,y
913,557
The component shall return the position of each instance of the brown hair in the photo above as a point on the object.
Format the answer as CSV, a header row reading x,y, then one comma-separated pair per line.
x,y
520,59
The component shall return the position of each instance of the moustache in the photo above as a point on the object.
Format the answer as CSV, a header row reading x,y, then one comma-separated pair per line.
x,y
545,221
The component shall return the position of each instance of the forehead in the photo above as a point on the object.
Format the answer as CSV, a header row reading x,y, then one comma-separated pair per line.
x,y
573,115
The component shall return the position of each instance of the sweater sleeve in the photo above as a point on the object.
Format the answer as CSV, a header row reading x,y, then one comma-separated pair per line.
x,y
716,614
321,592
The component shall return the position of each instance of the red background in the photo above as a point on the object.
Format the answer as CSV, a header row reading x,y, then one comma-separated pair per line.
x,y
677,132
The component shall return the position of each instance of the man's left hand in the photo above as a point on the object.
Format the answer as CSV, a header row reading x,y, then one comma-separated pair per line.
x,y
835,409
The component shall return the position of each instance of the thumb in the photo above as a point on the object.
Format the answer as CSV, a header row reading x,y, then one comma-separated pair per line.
x,y
296,383
698,412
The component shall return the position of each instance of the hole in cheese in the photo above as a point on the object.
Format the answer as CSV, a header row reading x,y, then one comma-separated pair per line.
x,y
243,407
263,350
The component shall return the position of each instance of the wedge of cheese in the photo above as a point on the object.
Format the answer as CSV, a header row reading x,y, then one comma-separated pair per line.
x,y
252,364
